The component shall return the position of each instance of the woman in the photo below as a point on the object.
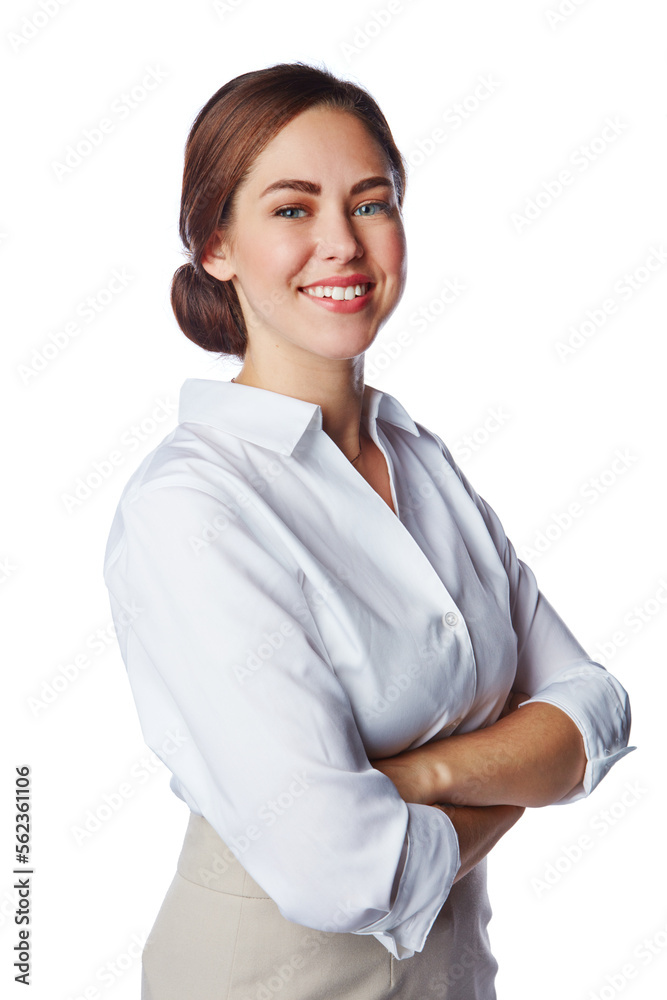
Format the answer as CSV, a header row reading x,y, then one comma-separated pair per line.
x,y
356,684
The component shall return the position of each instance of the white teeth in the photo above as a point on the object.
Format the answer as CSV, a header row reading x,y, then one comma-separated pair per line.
x,y
338,292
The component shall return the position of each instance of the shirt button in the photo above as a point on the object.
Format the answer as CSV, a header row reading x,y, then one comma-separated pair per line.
x,y
450,619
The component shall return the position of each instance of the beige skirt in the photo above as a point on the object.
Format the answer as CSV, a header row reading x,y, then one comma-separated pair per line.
x,y
218,936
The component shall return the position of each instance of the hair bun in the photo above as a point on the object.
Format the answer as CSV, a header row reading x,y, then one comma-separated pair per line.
x,y
208,311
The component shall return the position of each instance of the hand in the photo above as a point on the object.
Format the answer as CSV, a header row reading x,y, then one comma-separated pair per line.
x,y
478,829
514,699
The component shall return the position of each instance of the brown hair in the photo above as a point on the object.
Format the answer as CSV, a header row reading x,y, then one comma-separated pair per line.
x,y
227,135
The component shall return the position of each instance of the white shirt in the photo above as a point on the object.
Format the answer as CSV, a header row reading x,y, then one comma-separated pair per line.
x,y
281,627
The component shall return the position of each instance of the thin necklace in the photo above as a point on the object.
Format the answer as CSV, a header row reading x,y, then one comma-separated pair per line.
x,y
353,460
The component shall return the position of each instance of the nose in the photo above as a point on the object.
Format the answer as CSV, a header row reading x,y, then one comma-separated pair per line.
x,y
337,239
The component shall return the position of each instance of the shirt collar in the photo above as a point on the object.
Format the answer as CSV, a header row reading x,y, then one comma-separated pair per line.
x,y
270,419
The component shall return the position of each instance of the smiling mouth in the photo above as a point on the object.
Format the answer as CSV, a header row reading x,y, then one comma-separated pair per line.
x,y
337,292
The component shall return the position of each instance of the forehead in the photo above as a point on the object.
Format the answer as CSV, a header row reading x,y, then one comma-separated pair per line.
x,y
320,142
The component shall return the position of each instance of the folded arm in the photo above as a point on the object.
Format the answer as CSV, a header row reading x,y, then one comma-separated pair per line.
x,y
564,726
530,757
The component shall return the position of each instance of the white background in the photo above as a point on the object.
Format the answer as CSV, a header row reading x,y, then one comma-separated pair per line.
x,y
556,81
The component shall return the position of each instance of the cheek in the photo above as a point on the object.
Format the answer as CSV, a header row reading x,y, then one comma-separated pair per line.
x,y
394,256
391,247
274,258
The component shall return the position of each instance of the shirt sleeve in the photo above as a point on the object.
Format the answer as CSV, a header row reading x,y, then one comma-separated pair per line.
x,y
204,600
553,667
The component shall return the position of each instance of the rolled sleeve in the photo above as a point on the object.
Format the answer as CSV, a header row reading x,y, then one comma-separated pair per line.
x,y
431,847
553,667
269,753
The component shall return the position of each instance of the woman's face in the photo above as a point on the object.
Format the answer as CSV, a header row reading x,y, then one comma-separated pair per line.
x,y
317,208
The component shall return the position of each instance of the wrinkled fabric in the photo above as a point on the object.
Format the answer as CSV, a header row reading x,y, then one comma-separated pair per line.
x,y
282,626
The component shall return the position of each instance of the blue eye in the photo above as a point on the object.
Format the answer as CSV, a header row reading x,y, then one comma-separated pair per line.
x,y
381,206
290,208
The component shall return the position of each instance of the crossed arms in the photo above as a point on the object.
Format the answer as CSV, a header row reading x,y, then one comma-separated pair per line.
x,y
532,756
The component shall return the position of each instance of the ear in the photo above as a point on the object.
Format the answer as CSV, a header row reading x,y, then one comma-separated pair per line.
x,y
217,258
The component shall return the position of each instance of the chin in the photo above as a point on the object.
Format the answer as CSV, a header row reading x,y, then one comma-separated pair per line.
x,y
339,348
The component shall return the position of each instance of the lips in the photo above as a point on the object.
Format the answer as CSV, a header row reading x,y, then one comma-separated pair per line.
x,y
339,298
339,281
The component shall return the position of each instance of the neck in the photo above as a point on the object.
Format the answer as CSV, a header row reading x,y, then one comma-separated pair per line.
x,y
337,388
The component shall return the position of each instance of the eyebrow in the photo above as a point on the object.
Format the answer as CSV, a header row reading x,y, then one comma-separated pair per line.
x,y
308,187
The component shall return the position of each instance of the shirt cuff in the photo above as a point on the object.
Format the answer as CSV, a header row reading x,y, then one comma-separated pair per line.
x,y
431,864
599,706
